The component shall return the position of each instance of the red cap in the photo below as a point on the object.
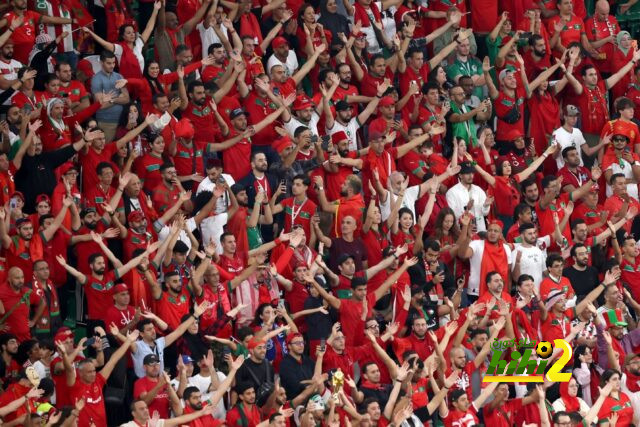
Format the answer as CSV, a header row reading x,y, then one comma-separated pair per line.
x,y
119,288
62,334
135,216
595,188
292,337
281,144
339,136
66,167
43,198
513,134
501,160
17,194
279,42
299,264
254,342
86,67
184,129
302,102
495,222
386,102
618,128
377,126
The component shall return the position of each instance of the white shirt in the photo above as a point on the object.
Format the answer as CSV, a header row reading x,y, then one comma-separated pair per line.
x,y
202,384
533,259
457,198
208,37
132,423
9,71
566,139
475,262
290,65
351,129
408,201
633,397
294,124
222,202
627,170
137,51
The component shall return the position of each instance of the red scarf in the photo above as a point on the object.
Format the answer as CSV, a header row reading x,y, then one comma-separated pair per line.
x,y
494,258
249,26
571,403
520,315
129,64
361,15
633,382
237,225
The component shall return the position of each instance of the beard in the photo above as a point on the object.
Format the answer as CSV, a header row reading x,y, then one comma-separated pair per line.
x,y
343,193
343,153
196,407
200,102
100,272
91,225
541,54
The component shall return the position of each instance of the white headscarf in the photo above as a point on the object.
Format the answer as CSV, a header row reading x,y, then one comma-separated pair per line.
x,y
57,124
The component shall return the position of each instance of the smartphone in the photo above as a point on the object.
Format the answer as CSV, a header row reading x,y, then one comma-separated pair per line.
x,y
13,203
323,344
326,140
221,180
226,351
314,138
276,91
91,341
281,303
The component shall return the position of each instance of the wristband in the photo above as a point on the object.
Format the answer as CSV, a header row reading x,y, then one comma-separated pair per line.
x,y
594,181
120,189
394,255
11,29
378,96
208,256
320,188
194,316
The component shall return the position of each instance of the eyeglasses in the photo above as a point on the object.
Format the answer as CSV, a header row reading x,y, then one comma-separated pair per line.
x,y
296,343
373,326
619,139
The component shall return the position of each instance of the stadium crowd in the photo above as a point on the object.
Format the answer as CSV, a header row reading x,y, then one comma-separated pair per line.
x,y
277,213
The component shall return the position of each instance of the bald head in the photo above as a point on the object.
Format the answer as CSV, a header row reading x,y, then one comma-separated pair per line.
x,y
16,277
602,9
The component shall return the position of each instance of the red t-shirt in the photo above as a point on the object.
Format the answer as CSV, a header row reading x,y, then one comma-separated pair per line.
x,y
621,406
24,37
557,327
572,31
100,293
90,160
147,168
236,159
94,410
545,216
171,309
502,416
547,285
631,275
593,108
369,83
503,104
17,322
159,403
462,419
351,314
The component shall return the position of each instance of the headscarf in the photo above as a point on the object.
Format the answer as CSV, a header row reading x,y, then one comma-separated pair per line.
x,y
58,124
571,403
333,22
619,40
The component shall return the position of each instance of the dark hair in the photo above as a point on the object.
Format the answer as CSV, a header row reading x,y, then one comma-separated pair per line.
x,y
438,232
42,219
323,74
59,64
552,258
181,48
432,244
253,156
186,394
430,85
5,338
475,332
519,210
106,54
49,78
586,68
489,276
123,120
23,350
614,177
244,332
212,47
302,177
299,130
364,371
557,415
575,247
357,282
567,150
194,84
122,29
165,166
527,183
576,222
623,103
403,211
606,376
523,278
534,39
102,166
456,394
144,322
23,70
93,257
225,234
547,180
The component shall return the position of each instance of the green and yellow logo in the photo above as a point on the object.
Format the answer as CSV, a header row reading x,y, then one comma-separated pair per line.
x,y
521,361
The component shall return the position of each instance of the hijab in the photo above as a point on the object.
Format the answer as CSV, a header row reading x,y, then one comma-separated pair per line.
x,y
58,125
571,403
619,41
334,22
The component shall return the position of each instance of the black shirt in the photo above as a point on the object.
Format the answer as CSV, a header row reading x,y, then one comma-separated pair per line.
x,y
263,372
582,282
293,372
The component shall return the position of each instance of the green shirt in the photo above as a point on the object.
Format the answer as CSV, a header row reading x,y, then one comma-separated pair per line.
x,y
471,67
465,130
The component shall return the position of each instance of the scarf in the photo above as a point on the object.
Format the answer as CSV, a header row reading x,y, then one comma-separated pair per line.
x,y
571,403
361,15
139,290
58,125
334,22
249,26
520,316
494,258
129,64
35,249
619,40
237,225
633,382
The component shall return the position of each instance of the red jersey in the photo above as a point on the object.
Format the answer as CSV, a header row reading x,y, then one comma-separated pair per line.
x,y
164,197
120,318
369,83
613,204
159,403
503,104
94,412
502,416
593,108
548,284
631,275
94,197
240,415
24,37
171,309
462,419
298,213
76,91
351,314
259,108
621,406
598,30
89,162
203,120
557,327
236,159
100,293
22,300
545,216
571,32
147,168
13,392
188,160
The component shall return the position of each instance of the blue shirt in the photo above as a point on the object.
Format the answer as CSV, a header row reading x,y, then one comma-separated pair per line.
x,y
103,82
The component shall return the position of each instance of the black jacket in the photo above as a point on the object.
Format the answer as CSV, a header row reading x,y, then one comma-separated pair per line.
x,y
293,372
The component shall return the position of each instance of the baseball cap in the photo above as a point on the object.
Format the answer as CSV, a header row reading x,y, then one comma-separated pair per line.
x,y
386,102
571,110
150,359
302,102
135,216
87,211
465,167
120,288
504,73
342,106
279,42
237,113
